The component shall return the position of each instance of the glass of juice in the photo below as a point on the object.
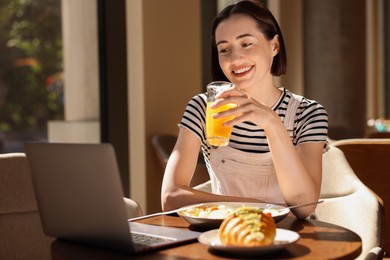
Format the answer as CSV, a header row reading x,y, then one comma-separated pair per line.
x,y
217,134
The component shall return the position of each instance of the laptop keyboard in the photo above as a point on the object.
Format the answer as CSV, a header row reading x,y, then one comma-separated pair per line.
x,y
146,241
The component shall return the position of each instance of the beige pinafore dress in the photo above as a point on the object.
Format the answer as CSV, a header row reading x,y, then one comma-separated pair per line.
x,y
251,175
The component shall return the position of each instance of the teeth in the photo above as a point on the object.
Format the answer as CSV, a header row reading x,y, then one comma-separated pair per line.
x,y
242,70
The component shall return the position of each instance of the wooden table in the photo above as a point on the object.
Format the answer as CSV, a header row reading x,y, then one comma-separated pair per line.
x,y
319,240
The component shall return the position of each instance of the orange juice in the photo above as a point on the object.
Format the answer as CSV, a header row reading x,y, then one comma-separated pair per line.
x,y
217,134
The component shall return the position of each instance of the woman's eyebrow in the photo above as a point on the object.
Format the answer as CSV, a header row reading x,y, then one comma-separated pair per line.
x,y
244,36
238,37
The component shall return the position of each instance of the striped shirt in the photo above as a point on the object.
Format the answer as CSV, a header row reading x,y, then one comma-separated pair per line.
x,y
310,124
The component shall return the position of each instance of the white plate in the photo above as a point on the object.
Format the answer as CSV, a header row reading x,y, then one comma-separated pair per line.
x,y
283,238
278,213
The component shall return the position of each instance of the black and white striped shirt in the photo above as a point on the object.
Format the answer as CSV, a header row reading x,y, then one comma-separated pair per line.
x,y
310,124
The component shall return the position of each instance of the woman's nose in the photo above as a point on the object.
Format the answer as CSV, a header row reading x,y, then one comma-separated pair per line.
x,y
235,56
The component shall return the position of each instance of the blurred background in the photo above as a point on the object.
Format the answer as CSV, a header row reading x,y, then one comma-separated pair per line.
x,y
123,71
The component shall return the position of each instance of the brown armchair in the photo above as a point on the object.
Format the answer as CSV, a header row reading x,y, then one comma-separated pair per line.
x,y
21,232
370,160
348,202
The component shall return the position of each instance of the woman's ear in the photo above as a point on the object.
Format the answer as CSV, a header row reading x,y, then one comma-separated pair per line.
x,y
275,44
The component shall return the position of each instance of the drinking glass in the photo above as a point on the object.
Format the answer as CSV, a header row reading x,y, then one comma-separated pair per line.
x,y
217,134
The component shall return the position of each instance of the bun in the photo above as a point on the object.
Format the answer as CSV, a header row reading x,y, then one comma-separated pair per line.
x,y
248,226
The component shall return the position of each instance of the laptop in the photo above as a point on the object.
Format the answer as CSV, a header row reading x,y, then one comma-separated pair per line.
x,y
80,198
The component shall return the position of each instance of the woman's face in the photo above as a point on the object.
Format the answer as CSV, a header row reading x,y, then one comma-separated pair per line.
x,y
245,55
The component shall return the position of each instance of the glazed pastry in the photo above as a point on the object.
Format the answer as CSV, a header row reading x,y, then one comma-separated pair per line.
x,y
248,226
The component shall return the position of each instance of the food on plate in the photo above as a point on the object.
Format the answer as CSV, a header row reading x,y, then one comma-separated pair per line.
x,y
248,226
273,212
211,211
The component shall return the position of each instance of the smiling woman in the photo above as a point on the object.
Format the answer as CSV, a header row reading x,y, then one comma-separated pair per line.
x,y
275,150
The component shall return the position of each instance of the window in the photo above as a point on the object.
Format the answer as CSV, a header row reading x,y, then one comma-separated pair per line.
x,y
31,70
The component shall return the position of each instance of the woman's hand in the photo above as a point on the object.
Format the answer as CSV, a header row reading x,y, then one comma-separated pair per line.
x,y
247,109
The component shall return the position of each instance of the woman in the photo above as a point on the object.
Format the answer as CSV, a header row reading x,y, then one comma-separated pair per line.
x,y
275,151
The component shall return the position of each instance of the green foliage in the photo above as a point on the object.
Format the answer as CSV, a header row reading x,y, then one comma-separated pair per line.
x,y
31,63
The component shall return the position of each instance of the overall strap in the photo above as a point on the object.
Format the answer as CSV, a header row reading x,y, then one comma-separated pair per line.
x,y
291,112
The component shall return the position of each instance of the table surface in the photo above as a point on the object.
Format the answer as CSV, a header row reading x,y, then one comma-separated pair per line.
x,y
318,240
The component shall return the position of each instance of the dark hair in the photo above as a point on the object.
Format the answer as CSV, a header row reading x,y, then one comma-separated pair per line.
x,y
266,23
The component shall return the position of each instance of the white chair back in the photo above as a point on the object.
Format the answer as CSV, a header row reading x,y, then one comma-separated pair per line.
x,y
349,203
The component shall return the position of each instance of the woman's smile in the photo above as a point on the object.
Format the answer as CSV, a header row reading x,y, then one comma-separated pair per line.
x,y
242,71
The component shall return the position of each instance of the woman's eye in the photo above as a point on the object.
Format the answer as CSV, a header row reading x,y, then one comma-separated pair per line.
x,y
246,45
223,50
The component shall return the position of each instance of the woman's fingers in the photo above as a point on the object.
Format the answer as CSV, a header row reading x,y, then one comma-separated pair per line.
x,y
239,100
232,91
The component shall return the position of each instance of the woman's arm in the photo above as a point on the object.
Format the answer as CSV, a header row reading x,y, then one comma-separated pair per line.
x,y
175,191
298,169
